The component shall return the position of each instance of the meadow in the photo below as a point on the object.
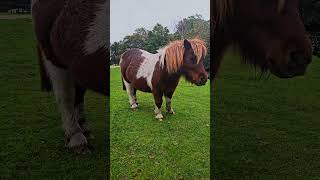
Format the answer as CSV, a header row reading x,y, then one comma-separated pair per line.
x,y
145,148
265,126
32,139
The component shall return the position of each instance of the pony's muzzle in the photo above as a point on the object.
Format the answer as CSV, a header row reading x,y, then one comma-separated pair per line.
x,y
202,81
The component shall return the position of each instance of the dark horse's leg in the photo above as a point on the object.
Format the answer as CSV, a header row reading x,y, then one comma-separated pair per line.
x,y
157,94
64,88
79,106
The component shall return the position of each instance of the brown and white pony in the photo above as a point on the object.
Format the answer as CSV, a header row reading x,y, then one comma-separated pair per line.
x,y
160,73
268,33
72,38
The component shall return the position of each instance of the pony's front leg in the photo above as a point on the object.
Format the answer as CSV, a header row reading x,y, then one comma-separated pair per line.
x,y
64,90
158,102
168,105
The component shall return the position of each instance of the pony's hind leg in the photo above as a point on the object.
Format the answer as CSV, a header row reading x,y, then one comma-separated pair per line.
x,y
131,94
64,90
135,96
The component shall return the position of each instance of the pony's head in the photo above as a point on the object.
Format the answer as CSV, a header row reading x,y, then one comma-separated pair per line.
x,y
186,57
269,33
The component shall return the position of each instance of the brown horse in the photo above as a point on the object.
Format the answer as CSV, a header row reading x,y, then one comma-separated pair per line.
x,y
268,33
72,38
160,73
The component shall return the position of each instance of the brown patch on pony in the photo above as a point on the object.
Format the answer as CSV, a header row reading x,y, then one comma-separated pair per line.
x,y
128,61
172,55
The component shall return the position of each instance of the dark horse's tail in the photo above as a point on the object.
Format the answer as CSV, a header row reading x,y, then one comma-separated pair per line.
x,y
45,80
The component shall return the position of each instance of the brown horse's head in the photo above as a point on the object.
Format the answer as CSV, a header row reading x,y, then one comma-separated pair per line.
x,y
186,57
193,68
269,33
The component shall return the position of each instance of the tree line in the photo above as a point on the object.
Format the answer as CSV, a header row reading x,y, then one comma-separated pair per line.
x,y
159,36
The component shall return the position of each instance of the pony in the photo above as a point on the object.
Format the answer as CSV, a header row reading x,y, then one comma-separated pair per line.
x,y
160,73
268,33
71,39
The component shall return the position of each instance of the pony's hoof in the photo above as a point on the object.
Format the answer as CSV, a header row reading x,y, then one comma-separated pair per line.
x,y
134,106
171,111
159,117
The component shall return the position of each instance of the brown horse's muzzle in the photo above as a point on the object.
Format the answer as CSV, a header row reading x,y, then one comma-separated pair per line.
x,y
202,80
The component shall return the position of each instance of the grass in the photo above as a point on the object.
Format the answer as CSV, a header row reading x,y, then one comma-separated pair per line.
x,y
266,127
32,140
144,148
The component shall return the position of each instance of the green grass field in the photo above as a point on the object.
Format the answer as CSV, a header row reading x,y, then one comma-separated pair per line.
x,y
32,139
269,126
145,148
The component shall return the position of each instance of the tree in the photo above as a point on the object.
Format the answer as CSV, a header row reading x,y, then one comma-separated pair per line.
x,y
195,27
157,38
310,12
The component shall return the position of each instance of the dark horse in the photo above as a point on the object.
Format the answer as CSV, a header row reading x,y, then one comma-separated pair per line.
x,y
72,40
268,33
160,73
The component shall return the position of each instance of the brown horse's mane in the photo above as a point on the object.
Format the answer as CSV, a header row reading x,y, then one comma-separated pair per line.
x,y
172,54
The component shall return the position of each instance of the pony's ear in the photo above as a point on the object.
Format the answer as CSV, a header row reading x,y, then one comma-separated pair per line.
x,y
187,44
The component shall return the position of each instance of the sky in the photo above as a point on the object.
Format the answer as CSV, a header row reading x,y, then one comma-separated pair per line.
x,y
128,15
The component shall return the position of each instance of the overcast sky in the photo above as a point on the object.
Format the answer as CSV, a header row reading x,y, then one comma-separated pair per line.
x,y
128,15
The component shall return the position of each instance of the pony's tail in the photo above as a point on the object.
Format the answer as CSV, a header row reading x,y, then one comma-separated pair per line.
x,y
45,80
123,86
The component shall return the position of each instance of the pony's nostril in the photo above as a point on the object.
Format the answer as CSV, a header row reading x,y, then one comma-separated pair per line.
x,y
299,58
203,80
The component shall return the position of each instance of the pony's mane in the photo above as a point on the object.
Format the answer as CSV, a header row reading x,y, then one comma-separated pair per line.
x,y
172,54
221,9
224,8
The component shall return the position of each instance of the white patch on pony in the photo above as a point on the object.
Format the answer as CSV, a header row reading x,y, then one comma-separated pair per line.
x,y
97,36
147,67
120,59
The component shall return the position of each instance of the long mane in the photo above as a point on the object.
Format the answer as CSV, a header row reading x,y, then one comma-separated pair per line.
x,y
172,54
221,9
224,8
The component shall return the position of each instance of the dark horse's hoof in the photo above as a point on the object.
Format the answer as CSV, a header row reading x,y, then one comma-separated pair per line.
x,y
78,143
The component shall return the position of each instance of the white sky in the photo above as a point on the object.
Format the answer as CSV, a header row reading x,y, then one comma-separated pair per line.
x,y
128,15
